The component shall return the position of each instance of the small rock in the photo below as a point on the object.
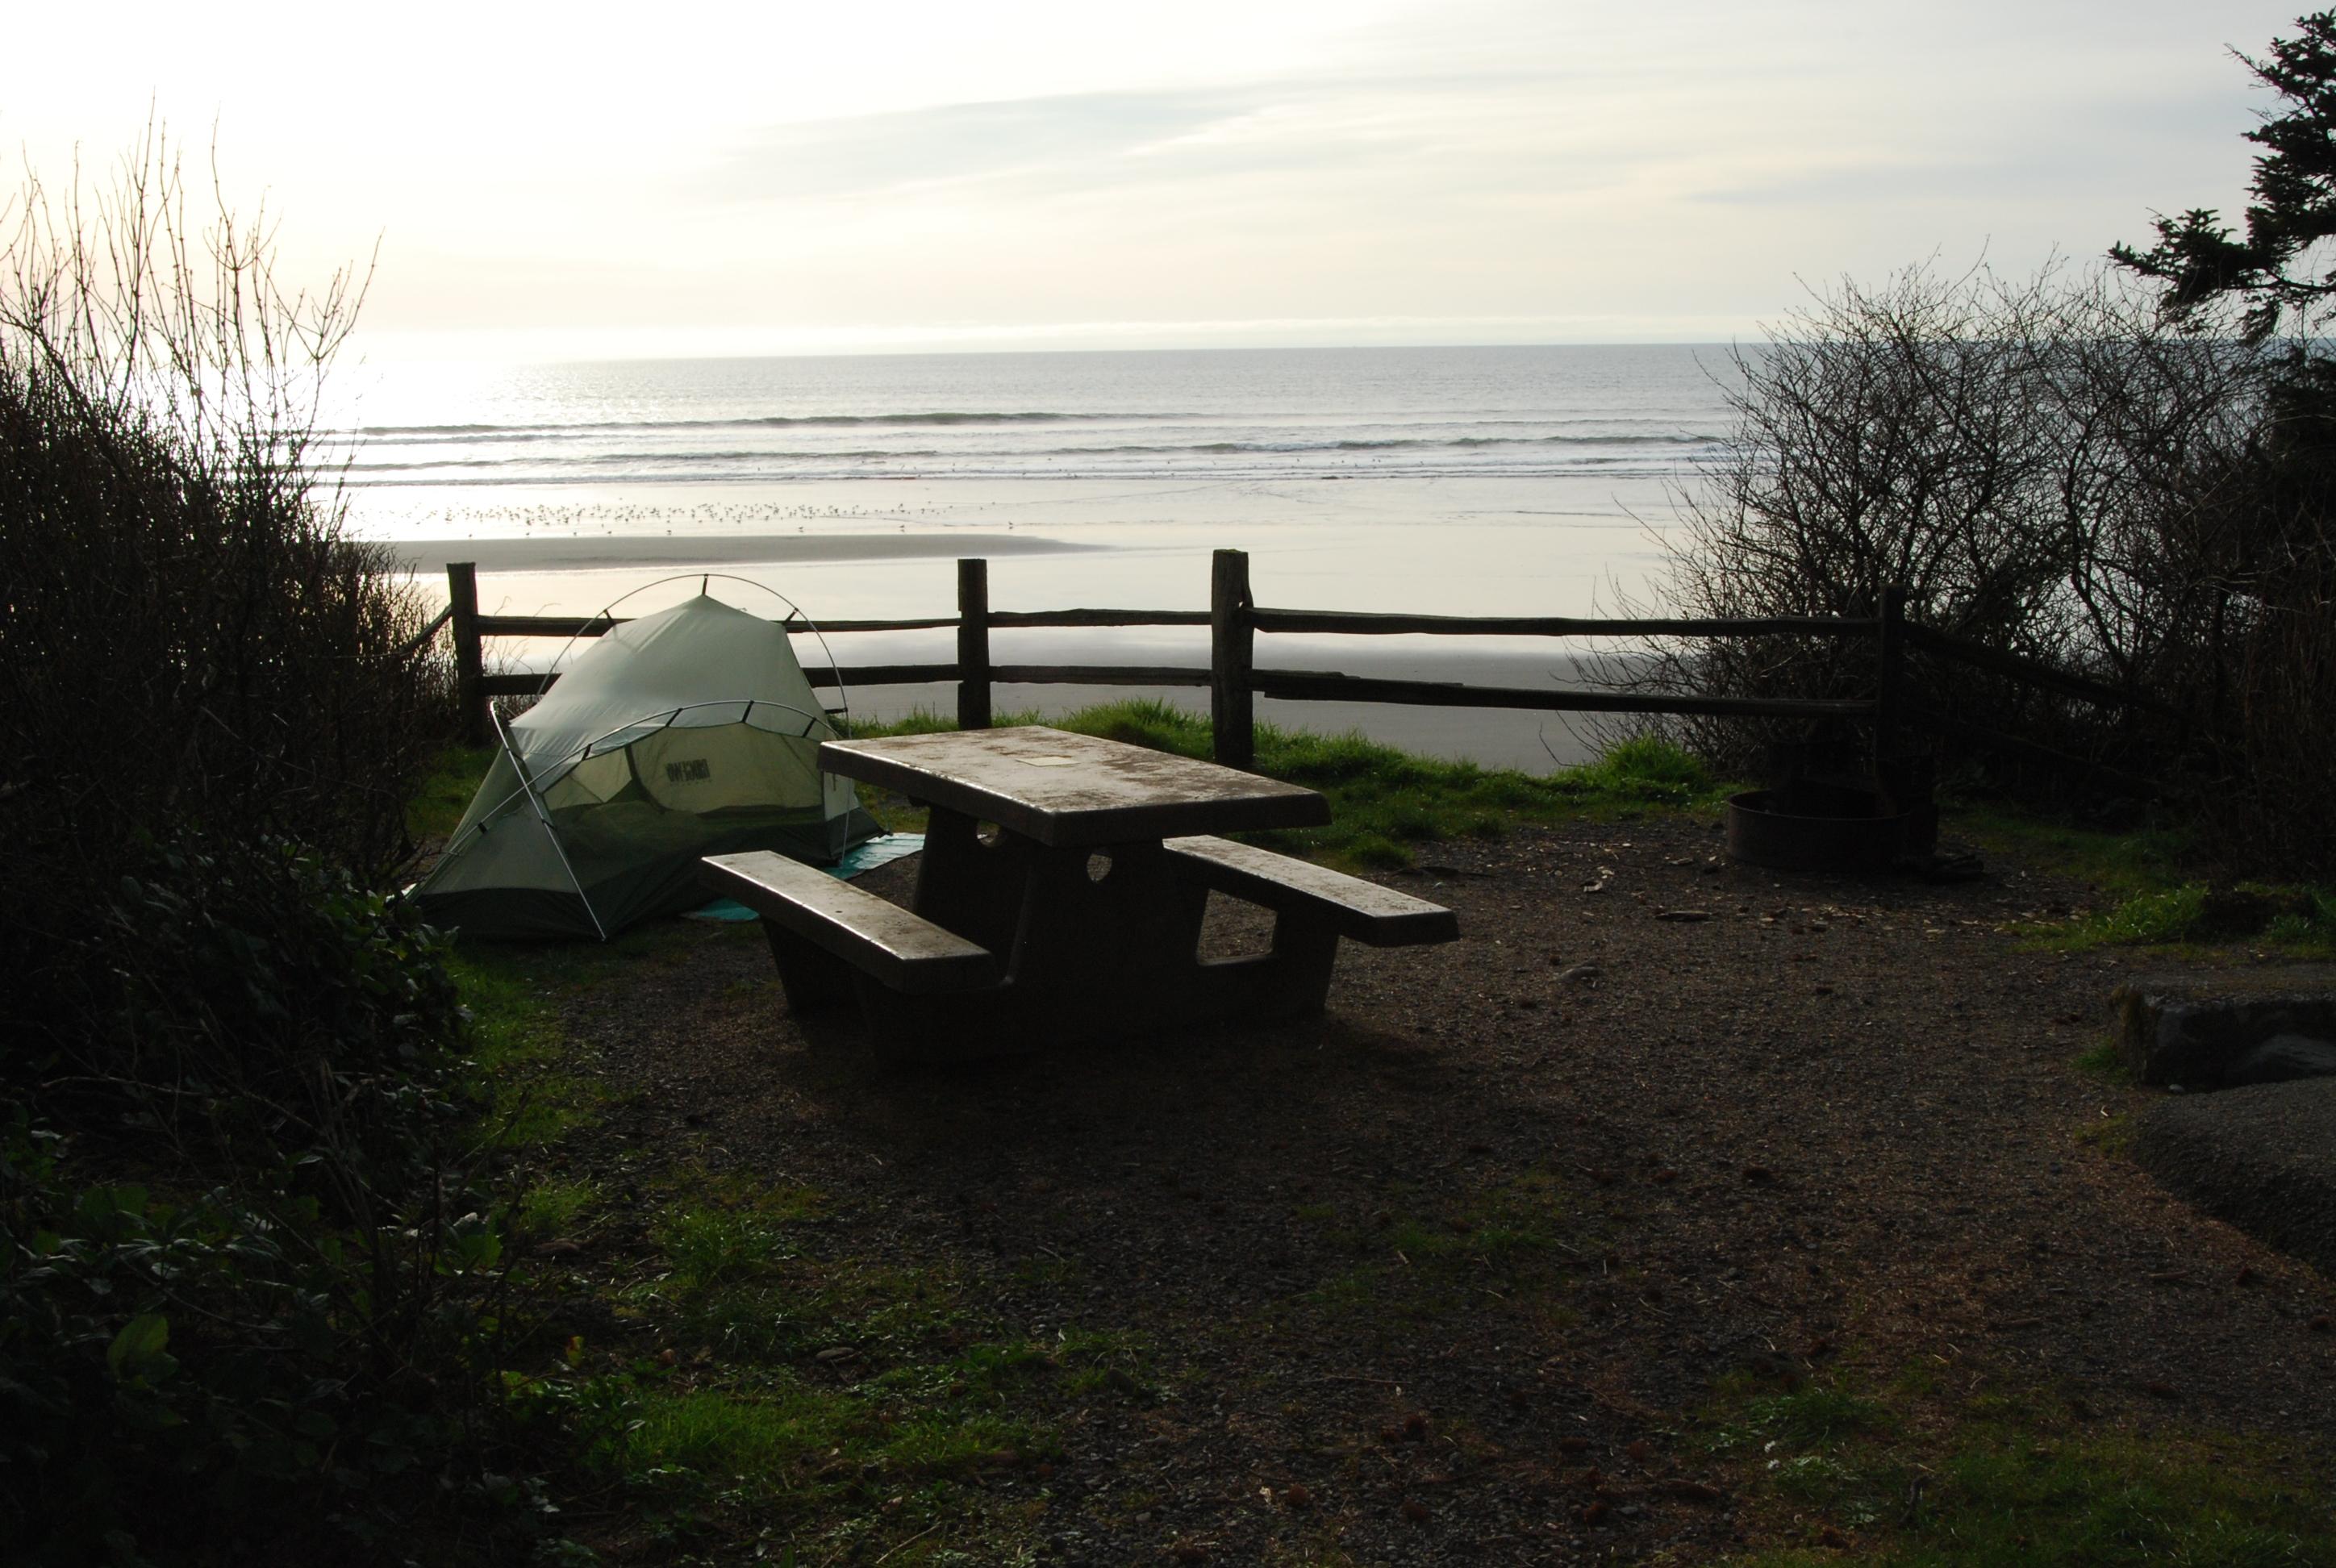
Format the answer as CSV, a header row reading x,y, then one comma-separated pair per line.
x,y
1583,973
1683,917
837,1355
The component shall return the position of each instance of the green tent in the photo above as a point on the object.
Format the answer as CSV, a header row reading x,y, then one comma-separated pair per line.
x,y
688,733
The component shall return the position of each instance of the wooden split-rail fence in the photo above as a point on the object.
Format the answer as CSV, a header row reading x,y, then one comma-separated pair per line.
x,y
1235,680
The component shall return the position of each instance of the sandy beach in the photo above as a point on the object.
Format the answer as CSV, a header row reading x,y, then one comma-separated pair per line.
x,y
1456,482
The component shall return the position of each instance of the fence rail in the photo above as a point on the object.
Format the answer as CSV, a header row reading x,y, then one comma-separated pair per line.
x,y
1365,623
2032,672
1234,621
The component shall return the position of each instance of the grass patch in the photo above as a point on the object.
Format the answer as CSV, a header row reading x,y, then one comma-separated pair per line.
x,y
796,1440
2122,864
2105,1060
532,1096
1816,1416
2296,921
693,1457
1998,1481
552,1207
2111,1135
710,1245
1508,1240
760,1386
525,1073
2155,895
1385,803
1097,1360
445,793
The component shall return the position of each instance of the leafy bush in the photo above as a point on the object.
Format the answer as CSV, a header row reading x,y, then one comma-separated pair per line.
x,y
301,1302
192,642
257,1003
250,1278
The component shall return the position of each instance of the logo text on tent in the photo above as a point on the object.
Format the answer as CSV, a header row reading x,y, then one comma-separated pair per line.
x,y
694,771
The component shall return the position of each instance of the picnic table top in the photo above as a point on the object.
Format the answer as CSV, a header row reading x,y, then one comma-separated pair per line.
x,y
1068,791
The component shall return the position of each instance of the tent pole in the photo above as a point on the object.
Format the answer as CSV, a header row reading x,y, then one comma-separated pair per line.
x,y
544,816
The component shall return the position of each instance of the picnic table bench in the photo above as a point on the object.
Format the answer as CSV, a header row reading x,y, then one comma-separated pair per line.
x,y
1076,913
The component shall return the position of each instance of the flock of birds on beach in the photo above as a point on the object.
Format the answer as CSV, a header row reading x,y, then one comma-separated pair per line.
x,y
620,518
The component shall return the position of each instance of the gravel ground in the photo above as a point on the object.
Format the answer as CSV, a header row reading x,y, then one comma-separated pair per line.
x,y
1449,1272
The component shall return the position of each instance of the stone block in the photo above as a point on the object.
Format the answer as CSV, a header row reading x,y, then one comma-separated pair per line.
x,y
2183,1033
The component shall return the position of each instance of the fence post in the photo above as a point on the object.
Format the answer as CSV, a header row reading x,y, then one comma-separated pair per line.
x,y
476,726
973,644
1889,672
1232,717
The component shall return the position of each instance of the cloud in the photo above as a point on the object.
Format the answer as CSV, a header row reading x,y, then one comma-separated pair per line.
x,y
869,154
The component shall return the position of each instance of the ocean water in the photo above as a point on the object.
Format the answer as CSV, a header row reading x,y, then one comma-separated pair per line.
x,y
1236,416
1452,481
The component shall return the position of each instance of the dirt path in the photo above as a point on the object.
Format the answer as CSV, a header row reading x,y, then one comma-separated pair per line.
x,y
1455,1272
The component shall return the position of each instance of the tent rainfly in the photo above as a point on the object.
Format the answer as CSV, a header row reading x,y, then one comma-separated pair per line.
x,y
687,733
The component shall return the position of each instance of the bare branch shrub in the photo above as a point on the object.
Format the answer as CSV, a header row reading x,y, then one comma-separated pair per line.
x,y
191,639
212,710
2051,471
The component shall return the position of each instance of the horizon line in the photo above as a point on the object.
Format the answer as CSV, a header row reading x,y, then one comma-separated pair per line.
x,y
497,346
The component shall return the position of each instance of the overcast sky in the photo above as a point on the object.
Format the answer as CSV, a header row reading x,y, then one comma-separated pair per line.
x,y
684,177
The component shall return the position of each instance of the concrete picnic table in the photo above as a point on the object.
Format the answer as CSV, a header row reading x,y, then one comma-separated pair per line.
x,y
1060,896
